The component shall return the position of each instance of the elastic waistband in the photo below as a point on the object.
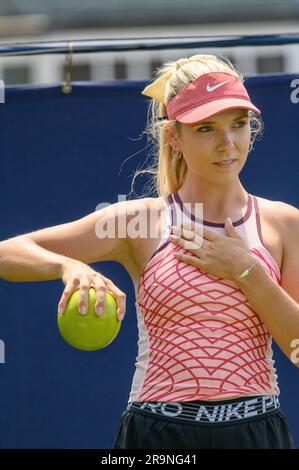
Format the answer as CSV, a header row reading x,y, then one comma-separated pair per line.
x,y
199,411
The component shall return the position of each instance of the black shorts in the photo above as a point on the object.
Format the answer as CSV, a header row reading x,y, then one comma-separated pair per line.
x,y
141,429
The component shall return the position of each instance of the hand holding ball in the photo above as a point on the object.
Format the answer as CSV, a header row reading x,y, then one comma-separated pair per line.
x,y
89,332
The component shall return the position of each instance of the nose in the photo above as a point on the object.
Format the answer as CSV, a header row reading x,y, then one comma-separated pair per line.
x,y
225,141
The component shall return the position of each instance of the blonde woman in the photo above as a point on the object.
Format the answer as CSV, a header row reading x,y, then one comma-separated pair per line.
x,y
212,289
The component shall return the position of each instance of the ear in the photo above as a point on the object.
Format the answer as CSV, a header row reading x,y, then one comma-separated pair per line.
x,y
172,136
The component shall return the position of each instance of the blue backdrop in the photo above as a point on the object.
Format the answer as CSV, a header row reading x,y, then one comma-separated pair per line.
x,y
61,155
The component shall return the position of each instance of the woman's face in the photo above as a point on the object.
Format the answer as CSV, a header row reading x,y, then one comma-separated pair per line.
x,y
224,136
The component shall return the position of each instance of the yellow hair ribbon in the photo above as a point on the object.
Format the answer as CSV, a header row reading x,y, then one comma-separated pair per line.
x,y
156,89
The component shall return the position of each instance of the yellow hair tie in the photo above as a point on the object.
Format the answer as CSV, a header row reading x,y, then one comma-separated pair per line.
x,y
156,89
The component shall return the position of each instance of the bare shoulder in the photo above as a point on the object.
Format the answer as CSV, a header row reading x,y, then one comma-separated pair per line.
x,y
286,218
144,206
281,216
148,203
280,226
146,211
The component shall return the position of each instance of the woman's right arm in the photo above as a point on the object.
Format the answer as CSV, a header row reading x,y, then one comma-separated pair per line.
x,y
22,259
64,251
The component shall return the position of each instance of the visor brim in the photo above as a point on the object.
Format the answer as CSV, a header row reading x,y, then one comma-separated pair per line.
x,y
214,107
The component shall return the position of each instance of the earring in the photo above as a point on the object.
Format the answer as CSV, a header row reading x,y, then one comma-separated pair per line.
x,y
176,154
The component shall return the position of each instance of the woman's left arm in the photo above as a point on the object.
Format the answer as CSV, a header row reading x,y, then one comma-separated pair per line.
x,y
278,306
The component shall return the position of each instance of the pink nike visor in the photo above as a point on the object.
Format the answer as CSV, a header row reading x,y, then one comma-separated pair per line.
x,y
207,95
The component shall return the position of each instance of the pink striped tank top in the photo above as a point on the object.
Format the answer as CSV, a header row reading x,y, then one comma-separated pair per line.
x,y
199,338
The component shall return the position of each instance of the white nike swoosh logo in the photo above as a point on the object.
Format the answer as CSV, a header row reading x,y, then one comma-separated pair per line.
x,y
212,88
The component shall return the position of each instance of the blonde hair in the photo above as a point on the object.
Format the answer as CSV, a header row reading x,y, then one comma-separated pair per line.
x,y
169,169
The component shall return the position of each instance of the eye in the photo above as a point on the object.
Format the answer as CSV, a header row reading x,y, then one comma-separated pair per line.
x,y
205,129
243,123
202,129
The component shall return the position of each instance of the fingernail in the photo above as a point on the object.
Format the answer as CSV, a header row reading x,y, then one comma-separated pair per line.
x,y
99,310
60,310
83,310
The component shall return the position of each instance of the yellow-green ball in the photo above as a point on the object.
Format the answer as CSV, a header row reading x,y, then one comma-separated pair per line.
x,y
89,332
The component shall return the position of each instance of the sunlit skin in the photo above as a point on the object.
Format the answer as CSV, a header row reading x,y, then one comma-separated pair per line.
x,y
202,144
224,136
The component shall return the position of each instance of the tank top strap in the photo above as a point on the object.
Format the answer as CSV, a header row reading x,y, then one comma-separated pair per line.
x,y
185,210
169,221
181,213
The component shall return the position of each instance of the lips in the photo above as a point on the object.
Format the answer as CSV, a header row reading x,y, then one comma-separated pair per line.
x,y
225,163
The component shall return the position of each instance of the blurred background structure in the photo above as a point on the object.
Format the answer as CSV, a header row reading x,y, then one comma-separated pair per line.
x,y
44,20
